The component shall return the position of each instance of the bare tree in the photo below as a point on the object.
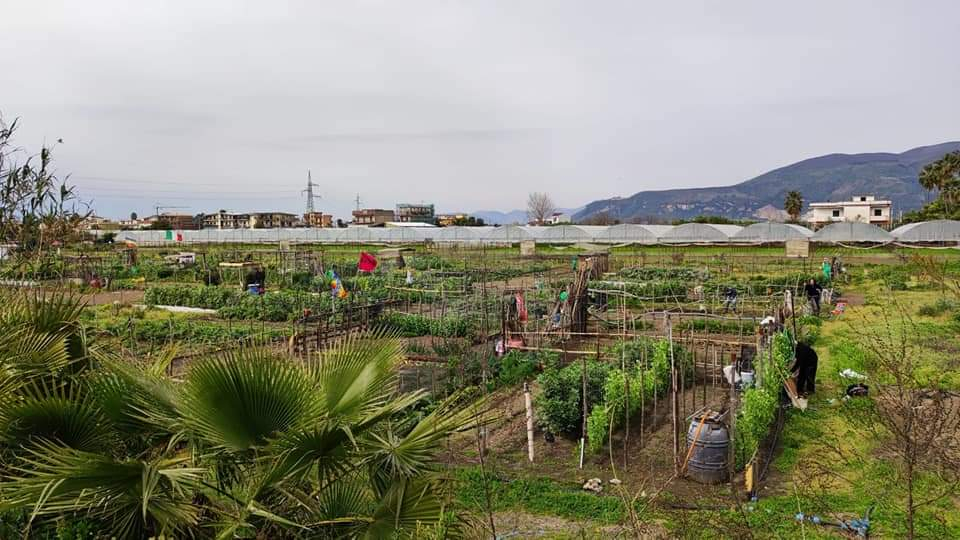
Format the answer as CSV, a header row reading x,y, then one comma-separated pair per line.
x,y
600,218
539,208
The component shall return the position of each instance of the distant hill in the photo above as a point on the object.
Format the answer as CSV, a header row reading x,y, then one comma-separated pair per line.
x,y
493,217
833,177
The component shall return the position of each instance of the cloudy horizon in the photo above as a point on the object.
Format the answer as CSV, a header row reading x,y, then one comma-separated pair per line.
x,y
470,106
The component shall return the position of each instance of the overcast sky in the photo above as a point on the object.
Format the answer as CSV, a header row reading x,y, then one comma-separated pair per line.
x,y
467,104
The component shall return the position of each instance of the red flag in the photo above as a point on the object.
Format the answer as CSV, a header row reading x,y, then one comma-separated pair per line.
x,y
179,237
367,262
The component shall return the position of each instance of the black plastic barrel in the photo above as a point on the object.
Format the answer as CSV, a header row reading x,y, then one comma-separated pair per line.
x,y
708,461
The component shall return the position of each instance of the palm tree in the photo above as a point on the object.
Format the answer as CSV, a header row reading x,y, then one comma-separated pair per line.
x,y
793,204
249,442
943,175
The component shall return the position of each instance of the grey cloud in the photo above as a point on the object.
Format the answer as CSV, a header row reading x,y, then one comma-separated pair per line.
x,y
468,104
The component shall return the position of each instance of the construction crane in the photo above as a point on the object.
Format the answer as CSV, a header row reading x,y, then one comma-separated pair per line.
x,y
309,192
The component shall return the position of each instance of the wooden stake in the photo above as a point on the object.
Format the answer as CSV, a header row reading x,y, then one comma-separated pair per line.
x,y
529,405
583,427
673,399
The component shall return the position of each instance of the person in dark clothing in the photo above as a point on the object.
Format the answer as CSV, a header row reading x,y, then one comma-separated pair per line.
x,y
730,299
805,368
256,276
813,290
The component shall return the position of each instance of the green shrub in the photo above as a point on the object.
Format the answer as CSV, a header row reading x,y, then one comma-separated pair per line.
x,y
411,325
941,306
758,409
670,289
893,277
559,404
645,383
758,406
718,326
183,330
515,367
231,303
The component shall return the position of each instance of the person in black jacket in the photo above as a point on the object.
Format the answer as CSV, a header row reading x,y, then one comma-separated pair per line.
x,y
813,290
805,368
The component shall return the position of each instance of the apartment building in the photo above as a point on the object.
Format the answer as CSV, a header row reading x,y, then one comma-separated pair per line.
x,y
318,220
372,217
862,208
415,213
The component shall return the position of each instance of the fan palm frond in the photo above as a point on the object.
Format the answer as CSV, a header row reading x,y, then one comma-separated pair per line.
x,y
358,373
62,414
139,403
52,312
405,509
137,498
331,449
34,354
240,400
410,455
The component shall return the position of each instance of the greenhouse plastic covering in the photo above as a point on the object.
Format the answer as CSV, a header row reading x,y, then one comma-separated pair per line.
x,y
852,231
941,230
771,232
699,233
626,233
689,233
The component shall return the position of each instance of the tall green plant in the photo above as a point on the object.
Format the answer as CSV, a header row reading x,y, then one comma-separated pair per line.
x,y
248,443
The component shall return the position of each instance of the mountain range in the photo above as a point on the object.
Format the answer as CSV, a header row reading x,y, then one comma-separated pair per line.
x,y
833,177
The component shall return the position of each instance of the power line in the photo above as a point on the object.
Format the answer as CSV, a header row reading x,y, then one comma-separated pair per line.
x,y
142,190
194,197
141,181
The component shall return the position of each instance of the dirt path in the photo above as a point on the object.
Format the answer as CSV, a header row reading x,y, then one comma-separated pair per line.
x,y
109,297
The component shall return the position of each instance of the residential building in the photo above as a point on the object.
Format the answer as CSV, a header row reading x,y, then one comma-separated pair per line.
x,y
558,218
130,224
447,220
171,220
862,208
318,220
249,220
415,213
94,222
272,220
372,217
226,220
